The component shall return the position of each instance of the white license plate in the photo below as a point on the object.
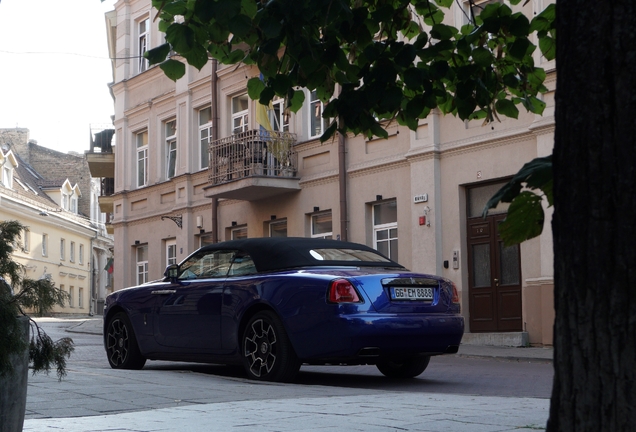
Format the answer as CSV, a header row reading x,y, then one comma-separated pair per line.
x,y
411,293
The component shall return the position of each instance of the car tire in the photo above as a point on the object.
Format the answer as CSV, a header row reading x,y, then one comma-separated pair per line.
x,y
268,354
121,344
404,368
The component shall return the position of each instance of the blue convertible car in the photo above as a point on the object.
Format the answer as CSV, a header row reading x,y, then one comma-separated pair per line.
x,y
273,304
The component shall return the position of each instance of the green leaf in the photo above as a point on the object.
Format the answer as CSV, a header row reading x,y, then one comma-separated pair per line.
x,y
507,108
173,69
524,220
254,88
536,174
240,25
296,100
249,8
548,47
158,54
181,37
197,56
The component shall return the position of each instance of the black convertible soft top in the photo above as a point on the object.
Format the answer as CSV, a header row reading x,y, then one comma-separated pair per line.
x,y
278,253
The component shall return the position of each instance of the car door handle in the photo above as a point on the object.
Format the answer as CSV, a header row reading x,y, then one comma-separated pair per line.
x,y
162,292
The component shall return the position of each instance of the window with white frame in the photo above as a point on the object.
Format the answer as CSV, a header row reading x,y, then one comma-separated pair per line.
x,y
142,264
74,204
205,134
171,252
81,254
240,113
71,296
26,240
238,233
7,176
80,298
142,158
65,201
316,122
279,116
72,252
385,230
45,244
321,225
62,249
278,228
171,148
143,43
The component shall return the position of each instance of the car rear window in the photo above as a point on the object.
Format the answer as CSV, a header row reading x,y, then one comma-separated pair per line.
x,y
346,255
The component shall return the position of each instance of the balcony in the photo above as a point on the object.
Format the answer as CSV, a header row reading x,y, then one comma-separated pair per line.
x,y
102,163
106,199
252,165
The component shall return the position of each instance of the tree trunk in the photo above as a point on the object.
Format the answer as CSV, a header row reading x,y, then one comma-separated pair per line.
x,y
594,224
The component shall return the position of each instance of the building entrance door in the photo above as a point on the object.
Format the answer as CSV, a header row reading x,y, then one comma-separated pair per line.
x,y
494,271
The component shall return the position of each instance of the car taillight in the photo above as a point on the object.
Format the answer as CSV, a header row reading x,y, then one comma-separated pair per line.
x,y
342,291
455,294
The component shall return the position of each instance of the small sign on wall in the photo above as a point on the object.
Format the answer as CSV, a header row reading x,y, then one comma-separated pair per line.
x,y
420,198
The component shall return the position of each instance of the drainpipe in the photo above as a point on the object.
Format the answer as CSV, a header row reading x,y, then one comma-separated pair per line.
x,y
342,180
214,108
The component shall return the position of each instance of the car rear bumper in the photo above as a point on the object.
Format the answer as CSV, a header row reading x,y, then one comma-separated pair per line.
x,y
364,336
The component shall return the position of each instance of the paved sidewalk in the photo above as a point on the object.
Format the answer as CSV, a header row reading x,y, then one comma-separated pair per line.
x,y
384,411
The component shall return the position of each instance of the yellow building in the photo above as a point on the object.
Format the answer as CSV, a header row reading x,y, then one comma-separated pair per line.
x,y
58,243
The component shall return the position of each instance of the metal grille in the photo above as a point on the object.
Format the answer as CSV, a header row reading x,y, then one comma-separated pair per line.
x,y
252,153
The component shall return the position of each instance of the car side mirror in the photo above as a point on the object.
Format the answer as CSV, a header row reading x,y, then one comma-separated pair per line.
x,y
172,271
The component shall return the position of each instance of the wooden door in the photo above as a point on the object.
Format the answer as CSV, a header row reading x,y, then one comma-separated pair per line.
x,y
494,278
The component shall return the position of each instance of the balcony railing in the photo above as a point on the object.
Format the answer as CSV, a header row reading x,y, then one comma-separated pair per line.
x,y
107,186
250,154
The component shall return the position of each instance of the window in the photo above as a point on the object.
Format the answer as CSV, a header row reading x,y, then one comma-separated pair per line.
x,y
81,254
71,296
385,232
142,159
321,225
26,240
62,249
45,240
239,233
171,148
211,264
72,252
7,177
143,31
65,201
74,204
142,264
171,252
205,134
80,298
278,116
316,122
240,114
278,228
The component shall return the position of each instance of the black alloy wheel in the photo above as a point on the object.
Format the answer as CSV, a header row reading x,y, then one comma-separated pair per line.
x,y
404,368
121,344
267,352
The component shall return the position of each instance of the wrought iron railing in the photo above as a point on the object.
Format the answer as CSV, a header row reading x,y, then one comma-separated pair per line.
x,y
252,153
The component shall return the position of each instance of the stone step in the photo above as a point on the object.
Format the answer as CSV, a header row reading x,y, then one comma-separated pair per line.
x,y
508,339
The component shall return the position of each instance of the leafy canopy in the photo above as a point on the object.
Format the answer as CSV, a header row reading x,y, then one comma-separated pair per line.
x,y
372,60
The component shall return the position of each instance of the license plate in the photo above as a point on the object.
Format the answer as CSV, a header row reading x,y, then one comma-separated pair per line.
x,y
411,293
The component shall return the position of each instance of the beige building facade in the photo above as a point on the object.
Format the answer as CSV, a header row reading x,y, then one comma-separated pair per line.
x,y
192,165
